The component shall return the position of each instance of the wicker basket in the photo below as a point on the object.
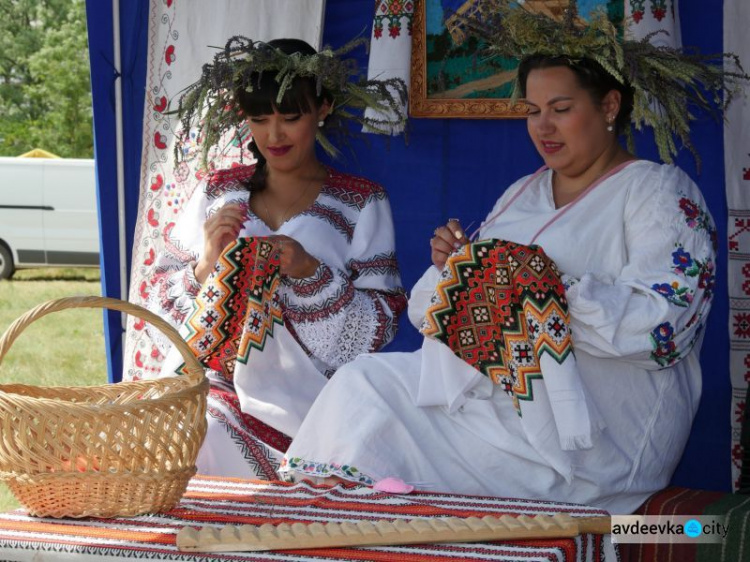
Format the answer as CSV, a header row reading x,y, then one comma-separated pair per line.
x,y
101,451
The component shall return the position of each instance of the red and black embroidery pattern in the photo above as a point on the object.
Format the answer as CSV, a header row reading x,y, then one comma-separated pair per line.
x,y
235,309
230,179
352,191
499,306
382,264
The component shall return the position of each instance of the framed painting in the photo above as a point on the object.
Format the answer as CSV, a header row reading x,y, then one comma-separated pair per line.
x,y
448,76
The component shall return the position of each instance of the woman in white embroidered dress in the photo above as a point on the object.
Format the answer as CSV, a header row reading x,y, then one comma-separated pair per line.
x,y
636,246
340,292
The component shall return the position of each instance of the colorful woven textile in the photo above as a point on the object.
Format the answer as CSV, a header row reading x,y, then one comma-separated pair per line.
x,y
211,501
684,501
500,306
236,308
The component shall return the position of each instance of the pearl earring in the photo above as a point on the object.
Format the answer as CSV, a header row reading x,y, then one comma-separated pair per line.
x,y
321,123
610,127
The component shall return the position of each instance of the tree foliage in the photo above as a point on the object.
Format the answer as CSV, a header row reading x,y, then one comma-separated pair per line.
x,y
45,90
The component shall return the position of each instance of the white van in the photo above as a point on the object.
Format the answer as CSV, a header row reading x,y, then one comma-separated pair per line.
x,y
48,213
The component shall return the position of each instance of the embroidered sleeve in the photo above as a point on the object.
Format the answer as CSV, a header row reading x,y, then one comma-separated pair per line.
x,y
174,286
339,314
654,312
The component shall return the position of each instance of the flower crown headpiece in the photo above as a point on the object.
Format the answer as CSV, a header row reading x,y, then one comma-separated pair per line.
x,y
666,80
209,106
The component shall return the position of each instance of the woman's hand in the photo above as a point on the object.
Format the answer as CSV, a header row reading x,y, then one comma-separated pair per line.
x,y
220,229
447,239
295,261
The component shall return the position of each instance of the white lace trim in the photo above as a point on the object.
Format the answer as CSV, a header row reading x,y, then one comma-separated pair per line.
x,y
339,338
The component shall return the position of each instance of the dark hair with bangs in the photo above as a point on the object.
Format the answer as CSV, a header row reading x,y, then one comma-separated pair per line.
x,y
590,75
300,97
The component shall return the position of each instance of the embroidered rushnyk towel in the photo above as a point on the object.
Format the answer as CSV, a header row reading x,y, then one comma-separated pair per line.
x,y
390,48
214,501
236,308
501,308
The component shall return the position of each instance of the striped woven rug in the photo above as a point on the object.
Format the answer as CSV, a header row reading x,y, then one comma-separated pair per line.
x,y
210,501
684,501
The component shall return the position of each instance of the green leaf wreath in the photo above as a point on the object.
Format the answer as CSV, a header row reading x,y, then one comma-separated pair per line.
x,y
208,104
668,82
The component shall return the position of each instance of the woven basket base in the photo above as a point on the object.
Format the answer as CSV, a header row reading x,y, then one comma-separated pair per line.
x,y
92,494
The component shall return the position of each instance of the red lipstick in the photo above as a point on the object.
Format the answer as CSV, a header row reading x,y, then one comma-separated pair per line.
x,y
279,150
551,147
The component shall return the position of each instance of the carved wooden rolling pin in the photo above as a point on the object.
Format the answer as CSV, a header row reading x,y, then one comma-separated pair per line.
x,y
378,533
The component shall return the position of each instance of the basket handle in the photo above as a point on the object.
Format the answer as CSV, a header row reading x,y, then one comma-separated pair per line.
x,y
193,367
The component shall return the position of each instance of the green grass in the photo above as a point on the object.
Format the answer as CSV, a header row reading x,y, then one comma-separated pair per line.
x,y
62,349
58,274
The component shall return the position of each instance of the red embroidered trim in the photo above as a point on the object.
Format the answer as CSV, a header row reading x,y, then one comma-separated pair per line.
x,y
313,285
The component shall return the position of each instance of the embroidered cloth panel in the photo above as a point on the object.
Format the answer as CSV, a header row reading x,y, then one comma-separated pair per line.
x,y
390,46
211,501
501,307
737,173
237,306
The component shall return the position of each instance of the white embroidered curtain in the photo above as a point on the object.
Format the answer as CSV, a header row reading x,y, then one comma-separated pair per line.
x,y
737,173
390,44
647,16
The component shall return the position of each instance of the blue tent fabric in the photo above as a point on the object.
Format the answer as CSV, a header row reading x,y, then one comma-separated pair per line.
x,y
104,77
448,168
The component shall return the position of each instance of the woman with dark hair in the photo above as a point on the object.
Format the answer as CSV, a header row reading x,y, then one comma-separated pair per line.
x,y
595,402
283,131
339,293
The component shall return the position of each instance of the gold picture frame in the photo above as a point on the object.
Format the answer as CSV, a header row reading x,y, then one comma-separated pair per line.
x,y
423,104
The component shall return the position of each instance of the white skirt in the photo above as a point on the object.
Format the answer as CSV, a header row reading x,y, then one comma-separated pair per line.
x,y
365,427
238,445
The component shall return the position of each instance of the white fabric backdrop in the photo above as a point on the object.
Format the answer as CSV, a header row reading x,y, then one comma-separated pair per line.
x,y
647,16
390,45
181,36
737,173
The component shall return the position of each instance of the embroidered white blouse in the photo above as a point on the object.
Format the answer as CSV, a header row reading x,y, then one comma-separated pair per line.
x,y
349,306
637,254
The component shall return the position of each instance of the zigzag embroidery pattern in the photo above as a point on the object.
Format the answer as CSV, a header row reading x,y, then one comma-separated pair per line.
x,y
235,309
380,264
499,306
334,217
230,179
354,194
